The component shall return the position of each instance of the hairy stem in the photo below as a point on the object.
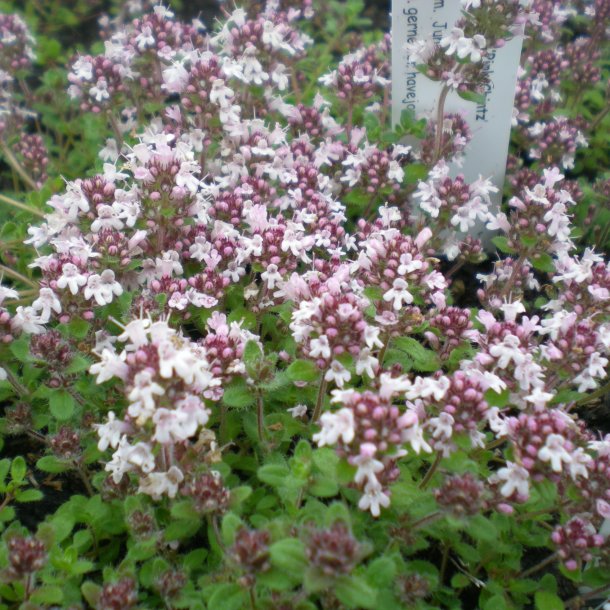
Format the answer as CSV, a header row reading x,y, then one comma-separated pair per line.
x,y
17,385
440,116
427,519
84,477
575,602
17,167
18,276
514,275
21,206
428,476
541,564
260,418
315,416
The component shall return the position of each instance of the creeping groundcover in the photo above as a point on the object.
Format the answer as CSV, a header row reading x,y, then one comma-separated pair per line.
x,y
273,337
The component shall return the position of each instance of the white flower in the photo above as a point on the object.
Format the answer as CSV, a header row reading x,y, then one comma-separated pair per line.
x,y
175,78
111,365
271,276
298,411
220,94
111,432
442,426
367,465
7,293
373,499
26,320
578,465
142,396
597,365
157,484
389,386
83,68
337,373
366,363
398,294
408,264
99,91
335,426
107,218
119,465
136,333
471,46
46,302
371,337
420,51
145,38
539,397
102,287
425,387
516,479
414,435
71,278
508,351
552,176
512,310
451,40
140,455
319,348
555,452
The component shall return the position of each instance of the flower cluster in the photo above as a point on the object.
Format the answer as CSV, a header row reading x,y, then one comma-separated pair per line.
x,y
246,245
165,378
457,59
455,205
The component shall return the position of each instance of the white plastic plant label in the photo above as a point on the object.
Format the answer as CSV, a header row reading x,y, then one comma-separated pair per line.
x,y
490,121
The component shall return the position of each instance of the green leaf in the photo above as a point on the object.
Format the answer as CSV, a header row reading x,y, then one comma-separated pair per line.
x,y
543,262
482,528
78,365
49,463
18,469
91,592
354,592
29,495
496,602
324,487
228,597
253,355
181,529
230,524
78,328
47,594
415,172
501,242
273,474
240,494
20,348
278,580
496,399
289,555
303,370
471,96
184,509
5,466
238,395
61,404
381,572
545,600
424,360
